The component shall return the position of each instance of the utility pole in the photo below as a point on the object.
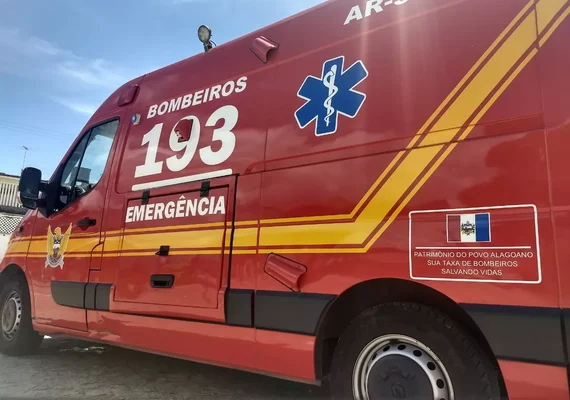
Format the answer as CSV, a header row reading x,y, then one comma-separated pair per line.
x,y
24,162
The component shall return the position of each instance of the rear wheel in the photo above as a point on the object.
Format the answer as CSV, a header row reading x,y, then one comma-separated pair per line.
x,y
17,336
409,351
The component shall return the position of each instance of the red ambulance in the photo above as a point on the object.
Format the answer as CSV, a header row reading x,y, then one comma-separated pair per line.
x,y
373,194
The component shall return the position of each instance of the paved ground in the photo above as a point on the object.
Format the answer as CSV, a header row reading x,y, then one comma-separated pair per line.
x,y
71,369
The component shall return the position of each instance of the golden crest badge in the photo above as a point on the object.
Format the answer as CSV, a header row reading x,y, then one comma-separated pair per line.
x,y
56,246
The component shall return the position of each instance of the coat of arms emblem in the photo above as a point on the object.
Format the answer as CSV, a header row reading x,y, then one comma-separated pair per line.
x,y
468,228
56,246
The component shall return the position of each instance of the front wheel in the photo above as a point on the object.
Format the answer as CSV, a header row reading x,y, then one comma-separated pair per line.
x,y
17,336
409,351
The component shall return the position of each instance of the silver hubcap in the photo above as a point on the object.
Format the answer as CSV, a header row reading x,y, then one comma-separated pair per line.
x,y
11,315
397,367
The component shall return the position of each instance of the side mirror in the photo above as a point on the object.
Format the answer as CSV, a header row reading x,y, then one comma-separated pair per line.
x,y
29,187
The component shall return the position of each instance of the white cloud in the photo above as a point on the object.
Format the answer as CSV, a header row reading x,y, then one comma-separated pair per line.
x,y
14,43
293,6
36,58
297,3
175,2
96,72
80,107
300,5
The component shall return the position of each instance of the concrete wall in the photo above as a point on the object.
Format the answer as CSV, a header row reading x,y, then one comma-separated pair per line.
x,y
8,223
3,244
9,179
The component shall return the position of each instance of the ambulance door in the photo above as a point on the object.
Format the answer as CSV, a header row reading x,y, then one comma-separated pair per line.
x,y
63,240
197,126
172,250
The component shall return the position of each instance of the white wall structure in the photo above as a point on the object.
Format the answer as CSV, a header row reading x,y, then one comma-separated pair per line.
x,y
3,244
9,190
11,212
7,224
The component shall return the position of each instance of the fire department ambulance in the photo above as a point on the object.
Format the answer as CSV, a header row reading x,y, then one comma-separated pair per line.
x,y
373,194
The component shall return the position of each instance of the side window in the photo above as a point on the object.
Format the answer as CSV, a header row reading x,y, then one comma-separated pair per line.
x,y
70,172
86,165
96,155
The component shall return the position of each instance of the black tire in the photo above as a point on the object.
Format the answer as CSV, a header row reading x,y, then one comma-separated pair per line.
x,y
469,370
23,339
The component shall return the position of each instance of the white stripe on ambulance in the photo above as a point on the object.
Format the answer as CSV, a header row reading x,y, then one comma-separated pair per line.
x,y
177,209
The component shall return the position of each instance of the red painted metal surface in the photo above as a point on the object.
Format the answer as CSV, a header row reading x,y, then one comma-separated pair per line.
x,y
530,382
415,54
284,354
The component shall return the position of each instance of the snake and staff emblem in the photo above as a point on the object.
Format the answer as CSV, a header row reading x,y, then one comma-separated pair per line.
x,y
328,81
331,94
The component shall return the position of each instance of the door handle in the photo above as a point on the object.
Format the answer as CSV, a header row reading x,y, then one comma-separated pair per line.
x,y
161,281
86,222
163,251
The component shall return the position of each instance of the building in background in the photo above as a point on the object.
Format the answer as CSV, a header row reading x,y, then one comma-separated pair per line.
x,y
11,212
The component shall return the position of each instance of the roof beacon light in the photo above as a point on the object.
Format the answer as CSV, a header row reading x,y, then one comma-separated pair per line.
x,y
205,36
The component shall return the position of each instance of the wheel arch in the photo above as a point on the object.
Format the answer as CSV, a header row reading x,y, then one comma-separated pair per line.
x,y
368,294
12,271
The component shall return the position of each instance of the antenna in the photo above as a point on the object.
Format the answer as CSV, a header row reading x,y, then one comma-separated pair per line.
x,y
25,151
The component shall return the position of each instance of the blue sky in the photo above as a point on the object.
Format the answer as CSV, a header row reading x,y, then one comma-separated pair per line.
x,y
59,59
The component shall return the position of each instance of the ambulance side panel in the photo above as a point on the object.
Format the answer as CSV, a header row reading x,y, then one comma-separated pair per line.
x,y
456,120
409,51
482,150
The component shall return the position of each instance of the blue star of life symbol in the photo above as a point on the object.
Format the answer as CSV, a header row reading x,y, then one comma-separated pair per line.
x,y
330,95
